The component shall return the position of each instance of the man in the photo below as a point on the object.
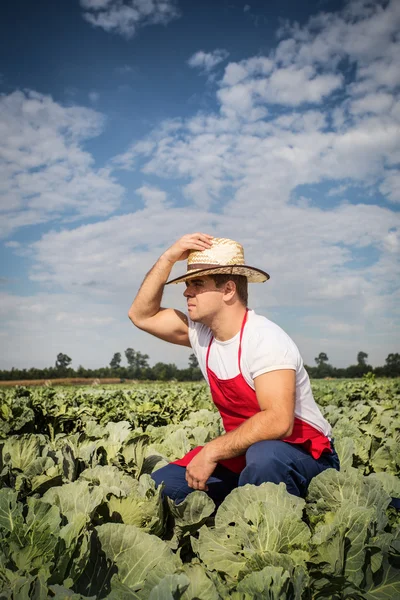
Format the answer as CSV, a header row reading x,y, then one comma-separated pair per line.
x,y
274,429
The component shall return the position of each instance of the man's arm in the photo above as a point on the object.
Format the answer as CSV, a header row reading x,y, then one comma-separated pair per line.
x,y
146,312
276,393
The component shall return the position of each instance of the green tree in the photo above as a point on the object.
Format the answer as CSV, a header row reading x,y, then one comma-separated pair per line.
x,y
362,358
323,368
116,361
136,360
130,355
392,366
63,361
321,359
142,360
193,362
164,372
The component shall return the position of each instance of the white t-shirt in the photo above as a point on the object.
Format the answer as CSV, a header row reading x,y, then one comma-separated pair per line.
x,y
265,347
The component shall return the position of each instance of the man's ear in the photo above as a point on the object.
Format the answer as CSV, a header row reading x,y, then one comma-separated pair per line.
x,y
230,288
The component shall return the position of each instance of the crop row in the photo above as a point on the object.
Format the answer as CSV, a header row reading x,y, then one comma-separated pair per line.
x,y
80,516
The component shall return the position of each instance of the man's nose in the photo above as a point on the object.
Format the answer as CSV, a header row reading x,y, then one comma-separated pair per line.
x,y
187,292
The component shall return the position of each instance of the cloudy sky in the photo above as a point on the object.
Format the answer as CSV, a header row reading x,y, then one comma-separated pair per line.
x,y
126,123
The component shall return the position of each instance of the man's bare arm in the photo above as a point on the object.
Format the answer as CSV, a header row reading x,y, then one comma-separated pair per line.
x,y
276,392
146,311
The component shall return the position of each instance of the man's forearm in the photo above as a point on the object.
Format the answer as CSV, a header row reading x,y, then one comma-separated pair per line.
x,y
265,425
148,299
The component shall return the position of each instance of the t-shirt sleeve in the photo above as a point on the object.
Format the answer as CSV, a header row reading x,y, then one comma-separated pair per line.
x,y
271,351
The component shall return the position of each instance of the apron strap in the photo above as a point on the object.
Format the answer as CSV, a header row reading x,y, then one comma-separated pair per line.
x,y
240,340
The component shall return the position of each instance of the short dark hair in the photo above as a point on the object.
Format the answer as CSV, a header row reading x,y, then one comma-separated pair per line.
x,y
239,280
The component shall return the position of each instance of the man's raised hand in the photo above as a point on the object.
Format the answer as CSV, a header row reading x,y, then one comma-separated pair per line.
x,y
191,241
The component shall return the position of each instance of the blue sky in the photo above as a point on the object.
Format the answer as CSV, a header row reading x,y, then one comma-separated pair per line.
x,y
127,123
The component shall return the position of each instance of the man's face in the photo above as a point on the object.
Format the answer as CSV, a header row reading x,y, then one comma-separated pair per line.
x,y
204,299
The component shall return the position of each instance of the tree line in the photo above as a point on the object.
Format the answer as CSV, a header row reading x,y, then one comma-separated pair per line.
x,y
323,369
137,367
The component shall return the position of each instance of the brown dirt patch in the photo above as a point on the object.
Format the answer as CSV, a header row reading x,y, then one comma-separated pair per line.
x,y
65,381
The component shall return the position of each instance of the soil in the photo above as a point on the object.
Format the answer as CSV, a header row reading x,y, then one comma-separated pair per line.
x,y
66,381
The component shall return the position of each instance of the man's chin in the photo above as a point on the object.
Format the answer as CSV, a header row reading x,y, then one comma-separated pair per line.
x,y
194,317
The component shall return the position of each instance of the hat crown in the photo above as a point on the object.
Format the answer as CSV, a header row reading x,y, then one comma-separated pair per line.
x,y
222,252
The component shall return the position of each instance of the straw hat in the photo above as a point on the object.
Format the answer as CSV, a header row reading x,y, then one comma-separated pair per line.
x,y
224,257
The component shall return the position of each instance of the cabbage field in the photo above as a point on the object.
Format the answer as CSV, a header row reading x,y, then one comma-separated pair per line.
x,y
80,516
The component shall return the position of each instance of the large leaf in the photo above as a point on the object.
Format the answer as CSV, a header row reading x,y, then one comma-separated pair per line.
x,y
10,511
276,496
35,543
134,452
143,506
387,457
188,516
294,564
20,451
345,427
201,586
39,475
220,551
142,559
345,449
62,593
386,585
390,483
171,587
71,538
110,479
18,586
341,543
115,435
272,583
175,445
271,522
332,489
273,531
75,498
98,571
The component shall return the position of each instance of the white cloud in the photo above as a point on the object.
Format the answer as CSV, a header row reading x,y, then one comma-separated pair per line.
x,y
236,72
377,103
293,86
44,172
391,185
306,251
152,197
392,241
124,17
207,60
257,82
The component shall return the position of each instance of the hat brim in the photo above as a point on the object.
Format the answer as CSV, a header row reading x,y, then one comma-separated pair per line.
x,y
253,275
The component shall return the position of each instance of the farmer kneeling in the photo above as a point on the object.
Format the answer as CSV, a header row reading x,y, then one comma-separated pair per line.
x,y
274,429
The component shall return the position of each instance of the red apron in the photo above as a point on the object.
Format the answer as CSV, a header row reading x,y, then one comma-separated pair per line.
x,y
237,402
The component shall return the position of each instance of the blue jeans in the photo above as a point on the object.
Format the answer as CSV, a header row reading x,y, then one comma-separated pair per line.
x,y
269,460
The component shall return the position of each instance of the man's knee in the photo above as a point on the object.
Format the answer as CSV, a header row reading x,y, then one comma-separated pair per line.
x,y
264,463
173,478
265,450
